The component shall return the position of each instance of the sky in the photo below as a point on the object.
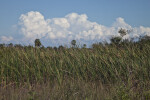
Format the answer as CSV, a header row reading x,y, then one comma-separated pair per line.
x,y
57,22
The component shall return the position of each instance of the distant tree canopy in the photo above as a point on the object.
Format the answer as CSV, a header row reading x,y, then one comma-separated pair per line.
x,y
84,45
10,45
2,45
117,39
145,38
122,32
73,43
37,43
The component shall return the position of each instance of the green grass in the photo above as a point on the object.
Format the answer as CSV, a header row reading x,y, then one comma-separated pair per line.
x,y
119,72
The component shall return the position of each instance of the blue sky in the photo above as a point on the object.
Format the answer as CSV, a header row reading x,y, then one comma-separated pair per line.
x,y
104,12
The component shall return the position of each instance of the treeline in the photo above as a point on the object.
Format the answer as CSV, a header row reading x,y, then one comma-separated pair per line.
x,y
115,41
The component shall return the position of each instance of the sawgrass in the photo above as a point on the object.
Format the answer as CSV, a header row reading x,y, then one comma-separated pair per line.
x,y
103,72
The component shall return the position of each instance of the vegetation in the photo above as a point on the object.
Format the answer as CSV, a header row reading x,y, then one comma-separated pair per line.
x,y
123,32
103,72
116,40
73,43
37,43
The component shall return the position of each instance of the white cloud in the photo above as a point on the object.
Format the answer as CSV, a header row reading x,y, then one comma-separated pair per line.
x,y
120,23
6,39
33,25
73,26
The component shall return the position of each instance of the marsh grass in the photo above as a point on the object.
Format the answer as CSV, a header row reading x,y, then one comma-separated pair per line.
x,y
119,72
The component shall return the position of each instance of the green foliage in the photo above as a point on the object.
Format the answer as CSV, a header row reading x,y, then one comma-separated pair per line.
x,y
37,43
122,32
145,39
73,43
115,40
10,45
122,93
2,45
84,45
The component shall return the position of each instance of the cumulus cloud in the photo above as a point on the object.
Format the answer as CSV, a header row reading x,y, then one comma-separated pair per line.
x,y
6,39
73,26
33,25
120,23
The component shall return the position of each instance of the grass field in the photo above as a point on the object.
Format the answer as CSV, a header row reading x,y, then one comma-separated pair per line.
x,y
110,72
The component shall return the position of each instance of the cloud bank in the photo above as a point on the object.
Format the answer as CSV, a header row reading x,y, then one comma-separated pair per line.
x,y
72,26
6,39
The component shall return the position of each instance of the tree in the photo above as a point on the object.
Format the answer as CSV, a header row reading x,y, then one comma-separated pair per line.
x,y
18,46
10,45
37,43
60,47
84,45
2,45
73,43
122,32
145,39
116,40
50,48
55,48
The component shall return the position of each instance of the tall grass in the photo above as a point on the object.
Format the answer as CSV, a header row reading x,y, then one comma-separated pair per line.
x,y
119,71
